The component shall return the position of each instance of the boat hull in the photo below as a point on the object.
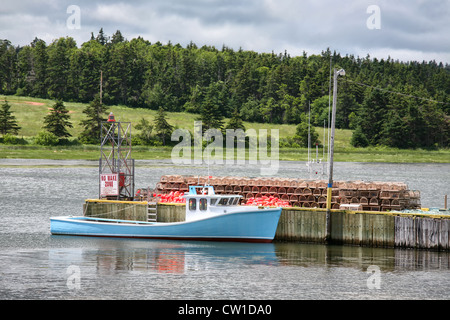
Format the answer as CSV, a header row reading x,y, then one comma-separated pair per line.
x,y
249,226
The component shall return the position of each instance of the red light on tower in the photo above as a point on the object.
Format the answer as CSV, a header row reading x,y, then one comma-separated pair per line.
x,y
111,118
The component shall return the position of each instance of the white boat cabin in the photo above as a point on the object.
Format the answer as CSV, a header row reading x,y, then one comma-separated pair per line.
x,y
203,202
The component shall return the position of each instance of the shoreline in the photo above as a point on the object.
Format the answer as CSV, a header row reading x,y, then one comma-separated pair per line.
x,y
92,163
92,153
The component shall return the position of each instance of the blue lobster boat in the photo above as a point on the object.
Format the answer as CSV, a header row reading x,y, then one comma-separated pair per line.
x,y
209,217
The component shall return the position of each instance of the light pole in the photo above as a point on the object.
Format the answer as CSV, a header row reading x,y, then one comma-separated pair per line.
x,y
341,72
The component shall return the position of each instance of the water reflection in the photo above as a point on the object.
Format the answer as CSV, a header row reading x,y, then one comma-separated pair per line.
x,y
388,259
182,257
176,257
151,269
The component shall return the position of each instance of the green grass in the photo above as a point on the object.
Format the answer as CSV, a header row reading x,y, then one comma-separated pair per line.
x,y
286,154
76,152
30,118
30,113
372,154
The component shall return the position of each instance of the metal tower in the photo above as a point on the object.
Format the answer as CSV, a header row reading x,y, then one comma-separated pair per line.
x,y
116,168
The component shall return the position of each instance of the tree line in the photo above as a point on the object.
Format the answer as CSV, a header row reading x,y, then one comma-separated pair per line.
x,y
385,102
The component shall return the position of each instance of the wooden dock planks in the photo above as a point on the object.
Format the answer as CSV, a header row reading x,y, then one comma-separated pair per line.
x,y
422,232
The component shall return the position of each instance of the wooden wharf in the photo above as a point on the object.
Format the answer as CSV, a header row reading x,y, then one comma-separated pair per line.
x,y
307,225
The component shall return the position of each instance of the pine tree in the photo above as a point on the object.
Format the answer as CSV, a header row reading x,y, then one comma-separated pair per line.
x,y
162,128
302,133
59,53
146,130
95,113
40,68
235,121
372,116
396,130
117,37
88,69
101,38
8,122
359,139
58,120
210,114
25,70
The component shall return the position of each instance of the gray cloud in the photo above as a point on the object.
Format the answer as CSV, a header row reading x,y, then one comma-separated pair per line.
x,y
414,30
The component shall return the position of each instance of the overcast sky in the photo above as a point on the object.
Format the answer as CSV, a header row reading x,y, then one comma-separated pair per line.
x,y
402,29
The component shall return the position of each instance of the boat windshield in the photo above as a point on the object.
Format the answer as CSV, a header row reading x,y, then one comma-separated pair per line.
x,y
223,202
228,201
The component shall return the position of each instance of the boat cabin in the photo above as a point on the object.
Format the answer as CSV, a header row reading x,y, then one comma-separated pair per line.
x,y
202,201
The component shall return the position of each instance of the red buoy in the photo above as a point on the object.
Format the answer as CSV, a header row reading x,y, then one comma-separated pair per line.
x,y
111,118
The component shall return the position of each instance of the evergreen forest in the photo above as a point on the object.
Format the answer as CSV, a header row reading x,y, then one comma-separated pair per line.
x,y
393,103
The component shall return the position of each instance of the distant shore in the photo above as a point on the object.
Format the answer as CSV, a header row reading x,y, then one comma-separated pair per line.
x,y
384,155
30,113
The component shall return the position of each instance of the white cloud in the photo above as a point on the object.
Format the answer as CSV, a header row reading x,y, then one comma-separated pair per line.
x,y
410,30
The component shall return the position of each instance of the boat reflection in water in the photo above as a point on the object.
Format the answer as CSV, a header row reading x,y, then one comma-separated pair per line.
x,y
180,257
167,269
164,256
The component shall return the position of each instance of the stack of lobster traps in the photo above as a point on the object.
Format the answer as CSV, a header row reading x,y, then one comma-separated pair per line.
x,y
370,196
379,196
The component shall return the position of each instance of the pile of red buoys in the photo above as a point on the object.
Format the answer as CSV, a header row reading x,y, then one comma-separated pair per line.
x,y
265,201
172,197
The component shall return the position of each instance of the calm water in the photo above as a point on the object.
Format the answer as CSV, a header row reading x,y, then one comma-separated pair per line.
x,y
36,265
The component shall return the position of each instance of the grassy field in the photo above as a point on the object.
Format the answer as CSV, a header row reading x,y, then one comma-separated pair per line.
x,y
30,113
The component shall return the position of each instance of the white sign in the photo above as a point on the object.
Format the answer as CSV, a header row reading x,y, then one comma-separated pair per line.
x,y
109,184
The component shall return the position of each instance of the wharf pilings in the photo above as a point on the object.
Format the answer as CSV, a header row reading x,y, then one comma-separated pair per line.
x,y
361,228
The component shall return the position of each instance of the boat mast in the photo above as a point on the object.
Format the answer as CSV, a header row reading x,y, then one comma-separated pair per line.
x,y
309,140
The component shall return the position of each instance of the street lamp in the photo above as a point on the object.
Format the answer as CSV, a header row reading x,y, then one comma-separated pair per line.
x,y
341,72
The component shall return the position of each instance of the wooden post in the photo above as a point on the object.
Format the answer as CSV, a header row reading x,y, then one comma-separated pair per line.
x,y
445,202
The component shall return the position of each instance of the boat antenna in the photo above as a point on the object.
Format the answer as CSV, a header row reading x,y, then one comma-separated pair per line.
x,y
329,106
208,169
309,164
309,133
323,149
